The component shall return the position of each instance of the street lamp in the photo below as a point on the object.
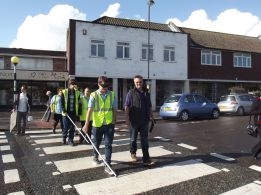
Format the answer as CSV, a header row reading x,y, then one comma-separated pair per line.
x,y
15,61
150,3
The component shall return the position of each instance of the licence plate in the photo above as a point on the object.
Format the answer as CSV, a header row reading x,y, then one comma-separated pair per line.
x,y
167,108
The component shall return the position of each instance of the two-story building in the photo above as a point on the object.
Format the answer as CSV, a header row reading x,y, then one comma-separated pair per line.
x,y
40,70
220,61
118,48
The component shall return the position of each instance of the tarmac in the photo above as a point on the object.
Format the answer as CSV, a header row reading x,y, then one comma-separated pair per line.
x,y
37,123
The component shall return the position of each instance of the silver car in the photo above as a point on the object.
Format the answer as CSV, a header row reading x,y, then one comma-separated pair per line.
x,y
235,103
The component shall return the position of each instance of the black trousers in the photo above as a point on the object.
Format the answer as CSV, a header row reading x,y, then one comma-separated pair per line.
x,y
89,131
257,148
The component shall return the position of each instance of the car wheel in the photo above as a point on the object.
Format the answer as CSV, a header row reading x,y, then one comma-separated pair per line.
x,y
215,114
184,116
240,111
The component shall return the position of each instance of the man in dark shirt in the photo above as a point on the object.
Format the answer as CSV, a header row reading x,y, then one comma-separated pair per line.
x,y
138,113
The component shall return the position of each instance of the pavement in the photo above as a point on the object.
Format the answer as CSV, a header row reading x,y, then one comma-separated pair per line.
x,y
37,123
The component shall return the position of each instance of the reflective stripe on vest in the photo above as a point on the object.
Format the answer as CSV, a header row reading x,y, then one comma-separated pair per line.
x,y
84,109
102,110
76,96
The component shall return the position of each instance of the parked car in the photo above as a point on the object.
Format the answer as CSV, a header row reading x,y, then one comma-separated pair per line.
x,y
185,106
236,103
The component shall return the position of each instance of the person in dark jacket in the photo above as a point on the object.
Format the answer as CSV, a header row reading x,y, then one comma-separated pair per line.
x,y
23,104
138,112
256,111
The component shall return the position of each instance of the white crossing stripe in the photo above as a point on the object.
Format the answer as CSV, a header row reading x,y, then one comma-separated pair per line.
x,y
249,189
8,158
5,148
86,162
11,176
43,131
2,136
222,157
3,141
17,193
256,168
187,146
66,148
2,133
162,138
147,180
46,135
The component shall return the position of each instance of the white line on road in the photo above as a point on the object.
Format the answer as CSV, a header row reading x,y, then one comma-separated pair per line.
x,y
17,193
3,141
118,157
249,189
222,157
2,133
256,168
147,180
11,176
8,158
2,136
187,146
66,148
162,138
5,148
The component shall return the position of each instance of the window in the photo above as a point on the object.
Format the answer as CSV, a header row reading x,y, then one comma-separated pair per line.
x,y
169,54
211,57
189,99
97,48
242,60
144,54
123,50
200,99
2,63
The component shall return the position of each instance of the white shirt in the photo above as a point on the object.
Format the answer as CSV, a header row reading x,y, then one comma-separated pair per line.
x,y
23,102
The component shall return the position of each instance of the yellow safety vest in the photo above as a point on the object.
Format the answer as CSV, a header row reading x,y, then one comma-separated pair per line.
x,y
102,110
84,109
76,96
53,105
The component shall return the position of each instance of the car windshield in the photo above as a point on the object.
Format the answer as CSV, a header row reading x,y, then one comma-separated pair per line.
x,y
227,98
173,99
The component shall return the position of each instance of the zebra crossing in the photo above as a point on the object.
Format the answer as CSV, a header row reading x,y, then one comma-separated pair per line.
x,y
64,160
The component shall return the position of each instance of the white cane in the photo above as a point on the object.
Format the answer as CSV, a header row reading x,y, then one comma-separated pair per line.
x,y
45,113
89,140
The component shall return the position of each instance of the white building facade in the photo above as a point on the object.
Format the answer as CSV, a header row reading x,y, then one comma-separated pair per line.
x,y
118,48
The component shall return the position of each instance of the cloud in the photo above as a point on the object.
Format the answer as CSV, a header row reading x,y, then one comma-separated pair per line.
x,y
112,11
47,32
229,21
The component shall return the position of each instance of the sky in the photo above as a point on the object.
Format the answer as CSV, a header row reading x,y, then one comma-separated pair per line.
x,y
42,24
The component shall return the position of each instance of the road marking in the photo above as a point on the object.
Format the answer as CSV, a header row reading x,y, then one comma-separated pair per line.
x,y
225,169
249,189
56,173
17,193
187,146
177,152
45,136
222,157
11,176
162,138
256,168
5,148
37,148
42,131
41,155
147,180
67,187
118,157
257,182
2,133
48,163
8,158
3,141
2,136
66,148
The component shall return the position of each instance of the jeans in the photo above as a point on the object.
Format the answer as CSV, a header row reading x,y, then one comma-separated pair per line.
x,y
89,132
56,119
144,131
21,116
108,132
68,127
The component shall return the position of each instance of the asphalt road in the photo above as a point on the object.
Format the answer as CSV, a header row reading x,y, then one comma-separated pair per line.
x,y
194,157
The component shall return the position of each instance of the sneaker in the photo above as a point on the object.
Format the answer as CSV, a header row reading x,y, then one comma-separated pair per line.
x,y
71,143
64,141
54,131
134,157
148,163
108,171
95,161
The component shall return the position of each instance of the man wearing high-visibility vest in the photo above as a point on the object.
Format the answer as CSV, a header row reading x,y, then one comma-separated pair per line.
x,y
56,109
102,105
70,107
84,103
